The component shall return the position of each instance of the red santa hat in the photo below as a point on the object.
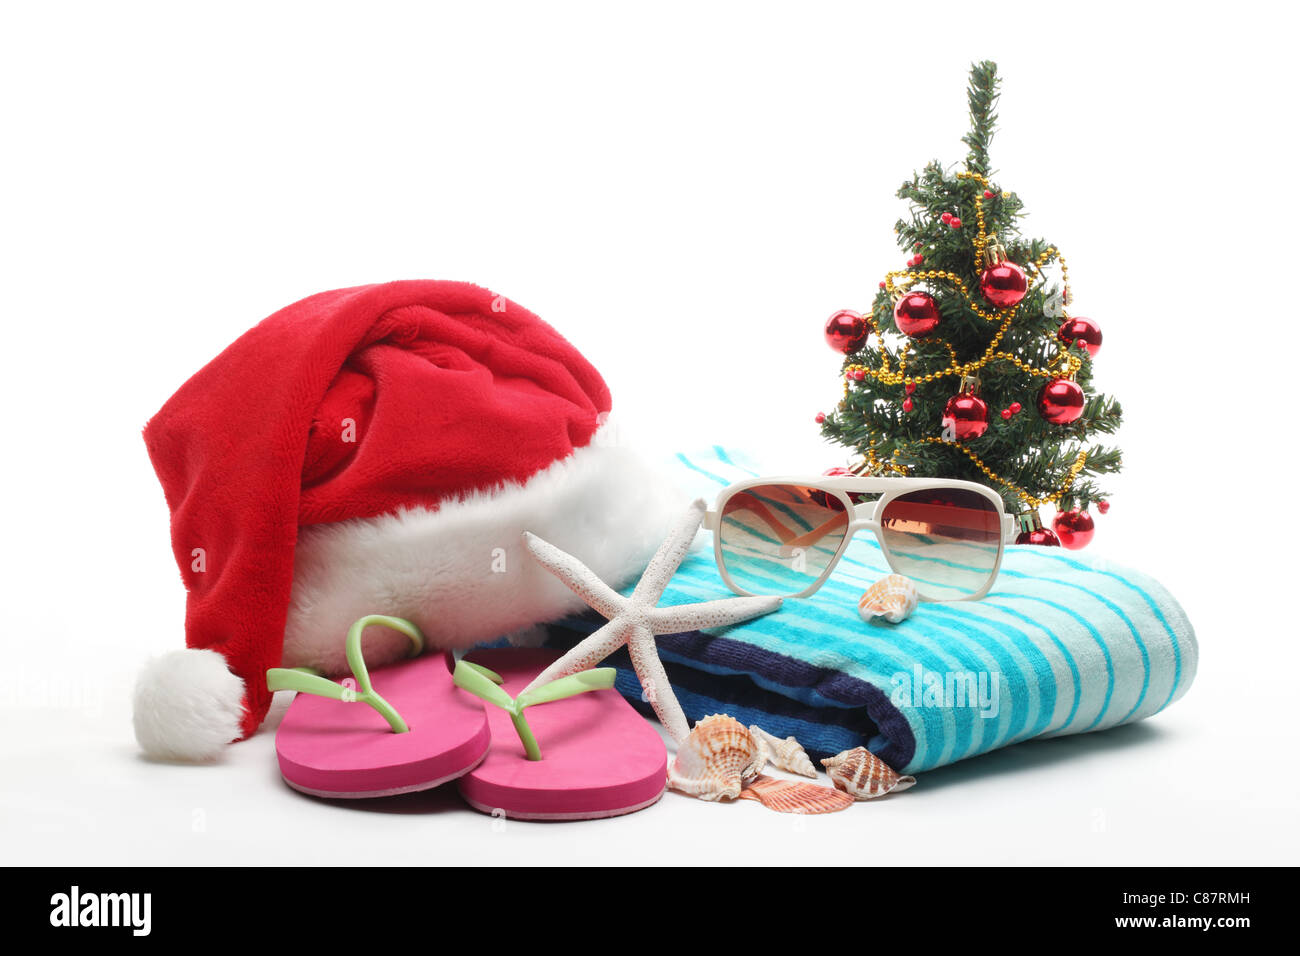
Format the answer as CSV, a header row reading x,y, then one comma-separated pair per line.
x,y
378,449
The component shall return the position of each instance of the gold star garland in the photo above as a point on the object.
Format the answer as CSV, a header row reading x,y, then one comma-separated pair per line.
x,y
1064,365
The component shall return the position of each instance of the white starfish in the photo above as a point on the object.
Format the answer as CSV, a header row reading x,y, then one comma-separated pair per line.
x,y
636,620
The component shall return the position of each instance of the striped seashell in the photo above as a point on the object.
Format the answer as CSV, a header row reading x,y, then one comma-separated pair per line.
x,y
787,754
863,775
794,796
716,759
893,597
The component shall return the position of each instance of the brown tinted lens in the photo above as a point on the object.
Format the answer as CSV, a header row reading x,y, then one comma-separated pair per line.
x,y
946,540
778,539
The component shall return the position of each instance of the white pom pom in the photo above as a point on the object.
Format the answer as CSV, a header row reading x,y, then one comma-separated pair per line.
x,y
187,705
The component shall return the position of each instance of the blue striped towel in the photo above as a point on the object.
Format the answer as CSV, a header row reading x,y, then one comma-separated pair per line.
x,y
1064,644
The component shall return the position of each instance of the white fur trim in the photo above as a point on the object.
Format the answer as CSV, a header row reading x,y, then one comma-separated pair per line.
x,y
461,573
187,705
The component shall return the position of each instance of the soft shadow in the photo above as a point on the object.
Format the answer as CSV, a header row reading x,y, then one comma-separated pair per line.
x,y
1032,755
443,799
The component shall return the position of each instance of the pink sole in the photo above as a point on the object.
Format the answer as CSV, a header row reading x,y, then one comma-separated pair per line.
x,y
563,817
329,748
600,758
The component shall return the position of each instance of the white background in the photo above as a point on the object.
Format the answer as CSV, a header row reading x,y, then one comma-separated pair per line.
x,y
686,191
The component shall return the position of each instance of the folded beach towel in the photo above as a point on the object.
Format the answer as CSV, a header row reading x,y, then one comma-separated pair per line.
x,y
1064,644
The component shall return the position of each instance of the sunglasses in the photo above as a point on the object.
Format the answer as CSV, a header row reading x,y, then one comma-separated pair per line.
x,y
784,536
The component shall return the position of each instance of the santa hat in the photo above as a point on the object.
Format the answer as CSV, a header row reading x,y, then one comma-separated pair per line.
x,y
378,449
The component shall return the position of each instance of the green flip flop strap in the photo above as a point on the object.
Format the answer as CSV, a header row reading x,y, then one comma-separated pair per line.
x,y
308,681
484,684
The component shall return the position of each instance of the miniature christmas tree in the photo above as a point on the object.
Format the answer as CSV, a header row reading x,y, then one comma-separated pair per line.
x,y
969,364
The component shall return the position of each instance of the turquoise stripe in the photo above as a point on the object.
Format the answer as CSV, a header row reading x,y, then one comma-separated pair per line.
x,y
1042,689
992,730
1153,605
785,510
707,474
952,542
1119,612
1096,637
1065,653
726,460
772,541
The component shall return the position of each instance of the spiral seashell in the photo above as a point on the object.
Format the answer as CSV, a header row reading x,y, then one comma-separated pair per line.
x,y
716,759
787,754
863,775
893,597
795,796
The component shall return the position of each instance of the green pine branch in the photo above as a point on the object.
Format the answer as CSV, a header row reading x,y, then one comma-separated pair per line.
x,y
982,97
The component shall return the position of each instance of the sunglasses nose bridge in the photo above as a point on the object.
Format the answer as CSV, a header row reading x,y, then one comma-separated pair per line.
x,y
861,524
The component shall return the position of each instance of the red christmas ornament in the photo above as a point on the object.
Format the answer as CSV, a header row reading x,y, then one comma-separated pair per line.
x,y
988,194
1073,528
823,498
1015,408
916,314
907,404
1033,532
1103,506
910,388
1038,536
955,222
966,416
1060,401
846,330
918,259
820,417
946,218
1004,284
1006,413
1082,332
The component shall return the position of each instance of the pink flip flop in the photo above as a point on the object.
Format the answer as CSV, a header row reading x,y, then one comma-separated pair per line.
x,y
405,727
582,756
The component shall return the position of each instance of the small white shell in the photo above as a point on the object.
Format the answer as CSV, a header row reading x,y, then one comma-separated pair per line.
x,y
893,597
787,754
716,760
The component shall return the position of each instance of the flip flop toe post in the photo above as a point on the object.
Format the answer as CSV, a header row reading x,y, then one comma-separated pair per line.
x,y
572,749
403,728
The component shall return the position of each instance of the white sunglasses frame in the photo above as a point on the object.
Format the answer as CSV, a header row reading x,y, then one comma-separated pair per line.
x,y
865,516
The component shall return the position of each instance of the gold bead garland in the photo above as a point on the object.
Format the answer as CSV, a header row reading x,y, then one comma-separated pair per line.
x,y
1023,495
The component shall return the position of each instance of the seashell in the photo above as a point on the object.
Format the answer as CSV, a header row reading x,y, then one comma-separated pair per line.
x,y
795,796
716,759
862,774
893,597
785,754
